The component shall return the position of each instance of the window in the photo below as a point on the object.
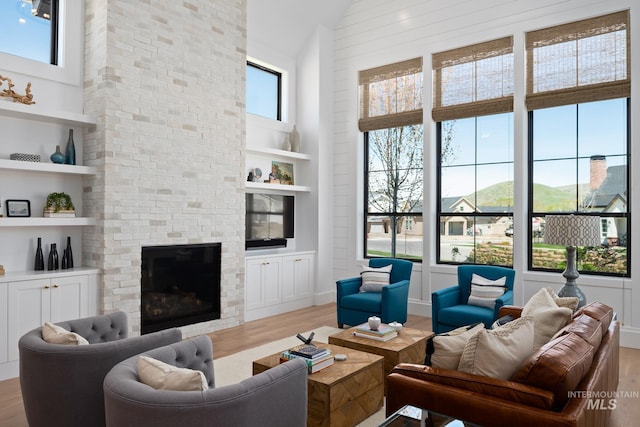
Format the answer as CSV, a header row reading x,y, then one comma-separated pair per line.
x,y
29,29
473,104
578,90
391,119
264,91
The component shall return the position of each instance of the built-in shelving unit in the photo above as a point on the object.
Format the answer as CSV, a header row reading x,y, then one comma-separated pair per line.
x,y
279,154
46,167
35,112
261,186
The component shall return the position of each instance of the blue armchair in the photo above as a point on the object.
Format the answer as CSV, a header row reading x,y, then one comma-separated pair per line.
x,y
355,307
449,308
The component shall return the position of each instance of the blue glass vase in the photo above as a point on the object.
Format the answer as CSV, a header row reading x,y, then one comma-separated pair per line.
x,y
70,152
57,157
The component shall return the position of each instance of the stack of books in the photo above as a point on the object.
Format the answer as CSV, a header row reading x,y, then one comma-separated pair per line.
x,y
383,333
317,358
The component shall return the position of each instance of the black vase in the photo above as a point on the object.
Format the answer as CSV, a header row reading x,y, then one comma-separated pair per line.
x,y
69,253
53,263
65,260
39,261
70,152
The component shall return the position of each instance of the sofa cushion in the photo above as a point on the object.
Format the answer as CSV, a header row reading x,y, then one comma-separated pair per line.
x,y
374,279
163,376
497,353
558,366
484,292
598,311
363,301
444,350
586,327
459,315
54,334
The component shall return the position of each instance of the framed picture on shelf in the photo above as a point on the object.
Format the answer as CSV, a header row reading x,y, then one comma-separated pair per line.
x,y
18,208
282,172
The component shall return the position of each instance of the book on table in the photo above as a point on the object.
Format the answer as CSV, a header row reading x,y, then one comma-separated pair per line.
x,y
309,351
383,330
382,338
313,365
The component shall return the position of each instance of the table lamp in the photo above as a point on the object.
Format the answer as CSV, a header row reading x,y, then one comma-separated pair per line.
x,y
572,231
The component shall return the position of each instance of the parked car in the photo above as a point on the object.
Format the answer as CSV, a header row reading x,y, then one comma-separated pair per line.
x,y
509,232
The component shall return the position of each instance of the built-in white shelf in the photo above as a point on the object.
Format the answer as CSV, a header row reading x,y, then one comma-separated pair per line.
x,y
14,276
276,187
46,222
279,153
18,165
35,112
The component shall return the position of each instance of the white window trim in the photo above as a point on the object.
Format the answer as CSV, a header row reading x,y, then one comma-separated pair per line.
x,y
70,49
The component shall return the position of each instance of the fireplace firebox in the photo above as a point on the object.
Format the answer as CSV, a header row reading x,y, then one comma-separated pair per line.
x,y
180,285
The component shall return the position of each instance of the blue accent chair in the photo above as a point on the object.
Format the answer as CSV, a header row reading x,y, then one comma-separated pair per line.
x,y
449,309
355,307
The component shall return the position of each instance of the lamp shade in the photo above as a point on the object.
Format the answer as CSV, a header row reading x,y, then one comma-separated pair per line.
x,y
572,230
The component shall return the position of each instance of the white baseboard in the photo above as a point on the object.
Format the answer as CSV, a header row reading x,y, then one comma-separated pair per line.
x,y
629,337
9,370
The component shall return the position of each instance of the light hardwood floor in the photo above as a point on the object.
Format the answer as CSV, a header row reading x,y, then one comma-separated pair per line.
x,y
259,332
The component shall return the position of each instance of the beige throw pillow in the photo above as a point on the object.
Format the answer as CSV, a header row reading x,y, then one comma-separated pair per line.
x,y
163,376
54,334
484,292
539,301
569,302
497,353
447,347
374,279
549,318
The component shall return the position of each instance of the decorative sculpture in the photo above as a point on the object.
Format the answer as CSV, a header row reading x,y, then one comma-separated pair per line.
x,y
27,98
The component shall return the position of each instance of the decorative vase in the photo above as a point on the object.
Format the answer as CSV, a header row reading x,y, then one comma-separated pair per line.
x,y
53,263
294,140
70,152
39,261
69,253
374,323
57,157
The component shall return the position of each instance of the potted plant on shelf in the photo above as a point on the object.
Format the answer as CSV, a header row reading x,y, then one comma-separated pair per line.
x,y
59,205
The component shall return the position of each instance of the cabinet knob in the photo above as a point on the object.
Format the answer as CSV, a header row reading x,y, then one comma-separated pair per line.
x,y
56,286
46,286
265,263
298,259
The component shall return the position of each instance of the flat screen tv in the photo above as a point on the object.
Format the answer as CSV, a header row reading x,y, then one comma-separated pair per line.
x,y
269,220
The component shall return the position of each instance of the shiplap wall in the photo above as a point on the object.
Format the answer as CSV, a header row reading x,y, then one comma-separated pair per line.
x,y
378,32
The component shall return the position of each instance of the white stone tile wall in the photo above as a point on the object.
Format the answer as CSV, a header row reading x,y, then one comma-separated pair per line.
x,y
166,81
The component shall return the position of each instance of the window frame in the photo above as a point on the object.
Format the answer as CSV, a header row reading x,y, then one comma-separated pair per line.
x,y
70,53
533,214
279,96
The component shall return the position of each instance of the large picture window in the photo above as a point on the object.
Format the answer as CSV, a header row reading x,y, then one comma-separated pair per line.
x,y
578,88
29,29
391,119
473,108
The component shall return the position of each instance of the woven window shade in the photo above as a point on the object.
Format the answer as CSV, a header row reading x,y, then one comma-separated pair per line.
x,y
475,80
391,95
579,62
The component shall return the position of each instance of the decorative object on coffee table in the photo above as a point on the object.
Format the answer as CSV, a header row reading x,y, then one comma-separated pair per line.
x,y
572,231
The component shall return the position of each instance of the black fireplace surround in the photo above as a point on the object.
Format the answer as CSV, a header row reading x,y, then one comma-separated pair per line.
x,y
180,285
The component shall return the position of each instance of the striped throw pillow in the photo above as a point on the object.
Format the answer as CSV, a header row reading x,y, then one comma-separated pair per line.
x,y
374,279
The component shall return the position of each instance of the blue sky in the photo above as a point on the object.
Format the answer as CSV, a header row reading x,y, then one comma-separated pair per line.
x,y
23,34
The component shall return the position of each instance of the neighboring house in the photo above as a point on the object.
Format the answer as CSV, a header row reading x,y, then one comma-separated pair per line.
x,y
462,225
608,193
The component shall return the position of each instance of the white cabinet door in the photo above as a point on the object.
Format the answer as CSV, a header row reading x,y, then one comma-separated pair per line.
x,y
253,286
3,325
29,307
262,282
69,298
296,276
271,273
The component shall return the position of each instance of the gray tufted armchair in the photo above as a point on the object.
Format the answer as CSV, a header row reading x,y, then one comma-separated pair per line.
x,y
62,384
277,397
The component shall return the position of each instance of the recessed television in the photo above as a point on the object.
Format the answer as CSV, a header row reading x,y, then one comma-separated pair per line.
x,y
269,220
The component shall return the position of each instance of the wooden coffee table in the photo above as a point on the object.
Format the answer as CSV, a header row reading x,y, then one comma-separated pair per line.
x,y
343,394
408,347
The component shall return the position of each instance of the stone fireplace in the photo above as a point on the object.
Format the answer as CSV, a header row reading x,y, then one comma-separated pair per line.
x,y
165,81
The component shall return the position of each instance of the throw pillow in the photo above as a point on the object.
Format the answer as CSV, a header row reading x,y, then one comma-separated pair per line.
x,y
163,376
444,350
54,334
497,353
484,292
547,322
539,301
374,279
569,302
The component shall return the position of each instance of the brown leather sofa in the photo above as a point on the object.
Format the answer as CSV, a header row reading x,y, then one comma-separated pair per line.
x,y
564,383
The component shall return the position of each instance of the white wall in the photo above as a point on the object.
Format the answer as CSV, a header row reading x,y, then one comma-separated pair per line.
x,y
378,32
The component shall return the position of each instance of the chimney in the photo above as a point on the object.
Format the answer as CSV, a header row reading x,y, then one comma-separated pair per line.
x,y
597,171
